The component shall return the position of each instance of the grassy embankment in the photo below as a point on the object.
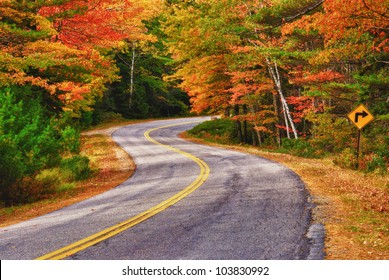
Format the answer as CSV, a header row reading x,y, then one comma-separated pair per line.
x,y
353,206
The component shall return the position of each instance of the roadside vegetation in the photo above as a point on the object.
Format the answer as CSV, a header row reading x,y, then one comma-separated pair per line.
x,y
352,204
100,165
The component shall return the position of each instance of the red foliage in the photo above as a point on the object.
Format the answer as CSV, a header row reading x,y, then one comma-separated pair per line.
x,y
321,77
302,105
91,23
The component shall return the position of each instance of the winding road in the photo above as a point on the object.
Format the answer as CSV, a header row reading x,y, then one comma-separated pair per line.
x,y
185,201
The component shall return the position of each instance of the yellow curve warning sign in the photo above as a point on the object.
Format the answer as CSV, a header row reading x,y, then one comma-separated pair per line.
x,y
360,116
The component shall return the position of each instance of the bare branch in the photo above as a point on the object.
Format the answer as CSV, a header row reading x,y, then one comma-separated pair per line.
x,y
382,61
123,60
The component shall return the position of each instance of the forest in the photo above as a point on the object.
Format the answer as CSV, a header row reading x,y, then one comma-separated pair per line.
x,y
282,74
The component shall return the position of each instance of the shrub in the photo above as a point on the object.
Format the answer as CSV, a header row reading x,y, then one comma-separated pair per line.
x,y
11,167
375,163
31,140
24,123
219,130
67,187
49,179
75,168
371,162
110,117
70,139
299,147
23,191
330,133
346,159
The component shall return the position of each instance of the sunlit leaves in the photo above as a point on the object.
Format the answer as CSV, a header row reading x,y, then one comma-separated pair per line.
x,y
350,30
97,23
60,46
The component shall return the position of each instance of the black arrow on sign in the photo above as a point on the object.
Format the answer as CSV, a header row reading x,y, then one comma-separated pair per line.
x,y
363,114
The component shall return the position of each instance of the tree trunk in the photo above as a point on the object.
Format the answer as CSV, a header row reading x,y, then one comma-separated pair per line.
x,y
277,112
259,137
286,124
246,140
253,136
257,141
275,75
238,124
132,75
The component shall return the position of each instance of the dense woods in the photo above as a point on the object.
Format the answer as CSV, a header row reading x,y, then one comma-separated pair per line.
x,y
286,69
284,73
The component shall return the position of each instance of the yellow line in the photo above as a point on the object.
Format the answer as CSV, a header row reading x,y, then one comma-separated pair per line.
x,y
116,229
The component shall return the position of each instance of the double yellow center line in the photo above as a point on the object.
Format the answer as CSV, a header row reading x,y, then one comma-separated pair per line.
x,y
116,229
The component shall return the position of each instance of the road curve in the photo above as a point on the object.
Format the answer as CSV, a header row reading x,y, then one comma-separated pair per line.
x,y
247,208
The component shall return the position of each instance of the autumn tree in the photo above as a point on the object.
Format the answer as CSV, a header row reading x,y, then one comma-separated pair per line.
x,y
55,61
200,59
346,49
59,45
142,91
287,68
216,32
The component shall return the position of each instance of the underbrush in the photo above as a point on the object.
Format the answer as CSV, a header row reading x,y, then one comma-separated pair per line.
x,y
48,182
220,130
300,148
375,157
108,167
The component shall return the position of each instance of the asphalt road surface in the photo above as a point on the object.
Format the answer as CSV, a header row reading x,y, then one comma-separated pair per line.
x,y
246,208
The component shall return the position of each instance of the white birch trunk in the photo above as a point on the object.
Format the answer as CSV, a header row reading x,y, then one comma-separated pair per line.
x,y
286,123
132,74
275,75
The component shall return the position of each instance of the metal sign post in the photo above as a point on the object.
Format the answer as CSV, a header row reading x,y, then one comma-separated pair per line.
x,y
358,145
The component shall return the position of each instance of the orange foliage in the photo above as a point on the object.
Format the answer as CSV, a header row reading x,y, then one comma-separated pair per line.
x,y
321,77
205,81
348,22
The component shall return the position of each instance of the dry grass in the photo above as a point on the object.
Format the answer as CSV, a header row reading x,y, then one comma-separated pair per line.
x,y
112,165
353,206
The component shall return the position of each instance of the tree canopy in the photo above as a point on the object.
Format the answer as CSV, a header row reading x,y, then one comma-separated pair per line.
x,y
285,68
